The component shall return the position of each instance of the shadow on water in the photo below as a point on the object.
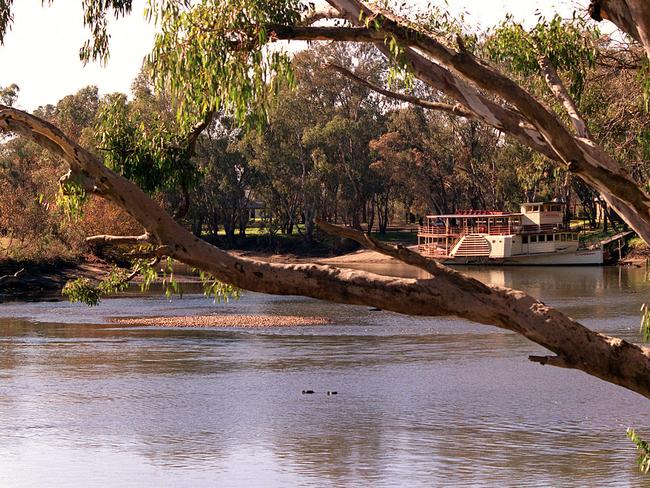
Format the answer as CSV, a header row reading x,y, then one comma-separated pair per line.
x,y
421,401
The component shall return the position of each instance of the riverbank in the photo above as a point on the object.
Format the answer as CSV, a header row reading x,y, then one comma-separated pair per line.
x,y
32,281
636,257
44,281
638,253
362,256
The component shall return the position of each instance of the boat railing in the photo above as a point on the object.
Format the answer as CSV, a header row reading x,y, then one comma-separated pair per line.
x,y
439,230
433,251
494,230
545,228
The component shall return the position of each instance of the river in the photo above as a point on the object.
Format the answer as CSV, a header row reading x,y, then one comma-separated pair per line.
x,y
420,401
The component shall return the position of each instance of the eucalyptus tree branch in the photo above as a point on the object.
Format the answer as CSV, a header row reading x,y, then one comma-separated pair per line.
x,y
466,65
11,277
402,254
138,269
193,136
109,239
326,13
562,95
631,16
489,112
456,109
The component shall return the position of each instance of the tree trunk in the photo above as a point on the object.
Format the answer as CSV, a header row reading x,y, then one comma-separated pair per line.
x,y
369,210
631,16
383,203
197,225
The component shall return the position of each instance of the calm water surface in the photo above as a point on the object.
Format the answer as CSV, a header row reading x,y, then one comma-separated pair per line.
x,y
421,402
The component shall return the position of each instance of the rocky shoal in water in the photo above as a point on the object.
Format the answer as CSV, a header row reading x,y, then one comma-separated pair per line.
x,y
241,321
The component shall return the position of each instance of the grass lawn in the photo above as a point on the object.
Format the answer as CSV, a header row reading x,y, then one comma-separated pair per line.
x,y
592,236
255,230
404,238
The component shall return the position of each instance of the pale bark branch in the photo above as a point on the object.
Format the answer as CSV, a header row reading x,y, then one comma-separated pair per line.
x,y
466,65
556,361
12,277
317,14
562,95
402,254
456,109
630,16
109,239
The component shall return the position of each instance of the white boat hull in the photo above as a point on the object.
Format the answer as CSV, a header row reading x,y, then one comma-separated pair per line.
x,y
584,256
574,258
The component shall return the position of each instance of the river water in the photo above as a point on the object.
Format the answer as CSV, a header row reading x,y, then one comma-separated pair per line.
x,y
421,402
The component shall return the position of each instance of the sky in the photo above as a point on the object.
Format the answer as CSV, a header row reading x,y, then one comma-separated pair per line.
x,y
40,53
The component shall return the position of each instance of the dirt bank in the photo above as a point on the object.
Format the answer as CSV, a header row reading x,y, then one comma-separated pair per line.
x,y
636,257
357,257
43,281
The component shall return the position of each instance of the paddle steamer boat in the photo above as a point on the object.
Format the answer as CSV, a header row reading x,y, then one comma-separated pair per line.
x,y
536,235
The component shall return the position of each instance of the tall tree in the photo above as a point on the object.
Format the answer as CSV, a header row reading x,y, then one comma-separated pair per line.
x,y
222,196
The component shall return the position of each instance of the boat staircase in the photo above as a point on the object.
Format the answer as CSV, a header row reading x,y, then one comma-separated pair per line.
x,y
472,245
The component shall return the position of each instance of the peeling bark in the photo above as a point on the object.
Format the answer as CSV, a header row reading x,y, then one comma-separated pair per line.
x,y
108,239
631,16
559,90
457,109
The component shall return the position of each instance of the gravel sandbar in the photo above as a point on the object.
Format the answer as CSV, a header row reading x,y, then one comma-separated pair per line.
x,y
243,321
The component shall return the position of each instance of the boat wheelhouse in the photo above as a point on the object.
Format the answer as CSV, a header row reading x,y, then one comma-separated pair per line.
x,y
535,235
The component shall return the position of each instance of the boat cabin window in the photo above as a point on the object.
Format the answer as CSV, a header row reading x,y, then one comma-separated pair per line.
x,y
532,208
533,238
553,208
549,238
563,237
524,239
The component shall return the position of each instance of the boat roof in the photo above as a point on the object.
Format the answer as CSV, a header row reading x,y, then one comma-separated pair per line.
x,y
547,202
476,213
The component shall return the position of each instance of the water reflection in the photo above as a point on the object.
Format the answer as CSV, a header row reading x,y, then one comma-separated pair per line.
x,y
421,401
